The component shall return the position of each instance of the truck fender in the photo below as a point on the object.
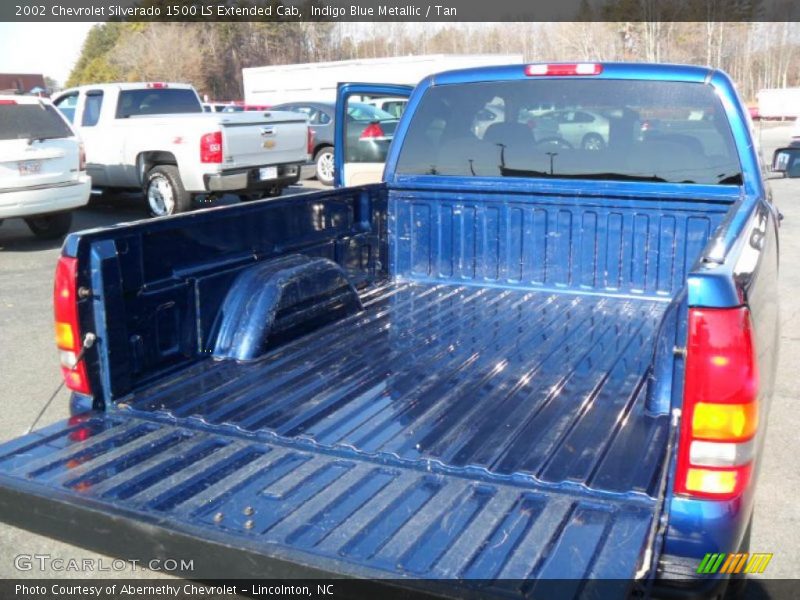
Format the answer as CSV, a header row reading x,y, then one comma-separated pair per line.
x,y
274,302
148,159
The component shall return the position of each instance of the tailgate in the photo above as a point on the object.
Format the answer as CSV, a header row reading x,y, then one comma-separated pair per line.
x,y
253,139
244,505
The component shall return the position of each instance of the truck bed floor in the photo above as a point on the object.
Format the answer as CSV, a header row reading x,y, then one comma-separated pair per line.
x,y
512,383
459,433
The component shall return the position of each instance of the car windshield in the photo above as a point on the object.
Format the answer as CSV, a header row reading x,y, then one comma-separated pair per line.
x,y
159,101
656,131
31,121
366,112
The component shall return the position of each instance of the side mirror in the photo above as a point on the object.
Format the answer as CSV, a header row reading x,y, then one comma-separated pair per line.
x,y
787,161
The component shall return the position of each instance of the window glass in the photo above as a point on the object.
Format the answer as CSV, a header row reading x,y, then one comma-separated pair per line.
x,y
656,131
91,108
323,118
368,133
67,106
31,121
395,107
159,101
358,111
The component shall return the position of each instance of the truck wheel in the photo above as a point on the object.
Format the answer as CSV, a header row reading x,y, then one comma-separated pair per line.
x,y
165,193
50,227
324,160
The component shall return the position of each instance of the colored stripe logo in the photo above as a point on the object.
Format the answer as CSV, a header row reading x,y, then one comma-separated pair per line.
x,y
742,562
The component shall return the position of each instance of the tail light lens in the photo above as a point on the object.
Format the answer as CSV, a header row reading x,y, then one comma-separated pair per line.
x,y
211,147
68,338
561,69
5,102
309,140
81,157
720,407
371,131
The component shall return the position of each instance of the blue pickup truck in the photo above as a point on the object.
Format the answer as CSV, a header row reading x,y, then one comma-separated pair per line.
x,y
542,346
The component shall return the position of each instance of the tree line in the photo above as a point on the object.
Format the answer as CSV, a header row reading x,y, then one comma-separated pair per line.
x,y
211,55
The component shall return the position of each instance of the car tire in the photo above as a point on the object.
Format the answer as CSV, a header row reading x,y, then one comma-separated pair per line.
x,y
324,165
593,141
50,227
164,192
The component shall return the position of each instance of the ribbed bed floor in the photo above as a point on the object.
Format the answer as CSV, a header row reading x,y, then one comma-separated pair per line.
x,y
514,382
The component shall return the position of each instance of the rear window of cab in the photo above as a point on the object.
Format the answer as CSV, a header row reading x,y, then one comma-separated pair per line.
x,y
157,101
657,131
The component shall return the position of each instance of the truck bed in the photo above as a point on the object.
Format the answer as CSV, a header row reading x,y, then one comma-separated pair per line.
x,y
444,432
491,413
543,385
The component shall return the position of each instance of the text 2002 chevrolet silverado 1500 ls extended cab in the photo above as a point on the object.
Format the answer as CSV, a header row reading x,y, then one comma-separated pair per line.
x,y
511,360
155,137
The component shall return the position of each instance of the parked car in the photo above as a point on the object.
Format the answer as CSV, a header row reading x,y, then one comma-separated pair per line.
x,y
42,168
213,106
239,106
156,137
393,106
371,126
500,367
579,128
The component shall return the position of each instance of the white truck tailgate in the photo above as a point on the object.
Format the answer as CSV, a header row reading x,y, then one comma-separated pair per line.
x,y
265,138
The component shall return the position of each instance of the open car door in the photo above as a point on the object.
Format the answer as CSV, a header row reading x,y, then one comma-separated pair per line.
x,y
367,115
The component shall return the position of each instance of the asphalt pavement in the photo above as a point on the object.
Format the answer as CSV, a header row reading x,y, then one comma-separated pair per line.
x,y
29,373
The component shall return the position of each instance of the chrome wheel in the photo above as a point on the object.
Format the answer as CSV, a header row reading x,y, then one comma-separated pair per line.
x,y
593,142
160,195
325,166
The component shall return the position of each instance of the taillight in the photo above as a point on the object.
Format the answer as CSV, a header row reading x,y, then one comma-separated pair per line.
x,y
157,85
68,336
211,147
720,405
81,157
373,130
6,102
561,69
309,141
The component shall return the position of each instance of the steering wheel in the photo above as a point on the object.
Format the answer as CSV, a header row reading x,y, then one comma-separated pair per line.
x,y
555,141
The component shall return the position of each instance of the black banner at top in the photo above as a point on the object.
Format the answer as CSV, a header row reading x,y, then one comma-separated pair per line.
x,y
408,10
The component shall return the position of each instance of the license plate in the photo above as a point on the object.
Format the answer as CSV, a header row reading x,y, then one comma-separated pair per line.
x,y
268,173
30,167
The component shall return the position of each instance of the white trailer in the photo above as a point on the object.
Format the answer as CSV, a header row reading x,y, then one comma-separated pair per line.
x,y
782,103
317,81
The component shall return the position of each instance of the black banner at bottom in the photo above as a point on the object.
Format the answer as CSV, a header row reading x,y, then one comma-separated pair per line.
x,y
321,589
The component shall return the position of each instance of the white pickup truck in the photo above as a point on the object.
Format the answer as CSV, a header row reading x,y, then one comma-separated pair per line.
x,y
156,137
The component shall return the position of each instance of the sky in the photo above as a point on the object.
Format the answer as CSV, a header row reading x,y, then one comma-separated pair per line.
x,y
47,48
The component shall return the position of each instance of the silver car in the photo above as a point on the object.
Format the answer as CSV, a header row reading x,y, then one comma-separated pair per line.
x,y
580,128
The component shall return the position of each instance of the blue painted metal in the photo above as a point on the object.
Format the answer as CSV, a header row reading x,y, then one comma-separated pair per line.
x,y
346,514
516,343
588,242
279,300
446,374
